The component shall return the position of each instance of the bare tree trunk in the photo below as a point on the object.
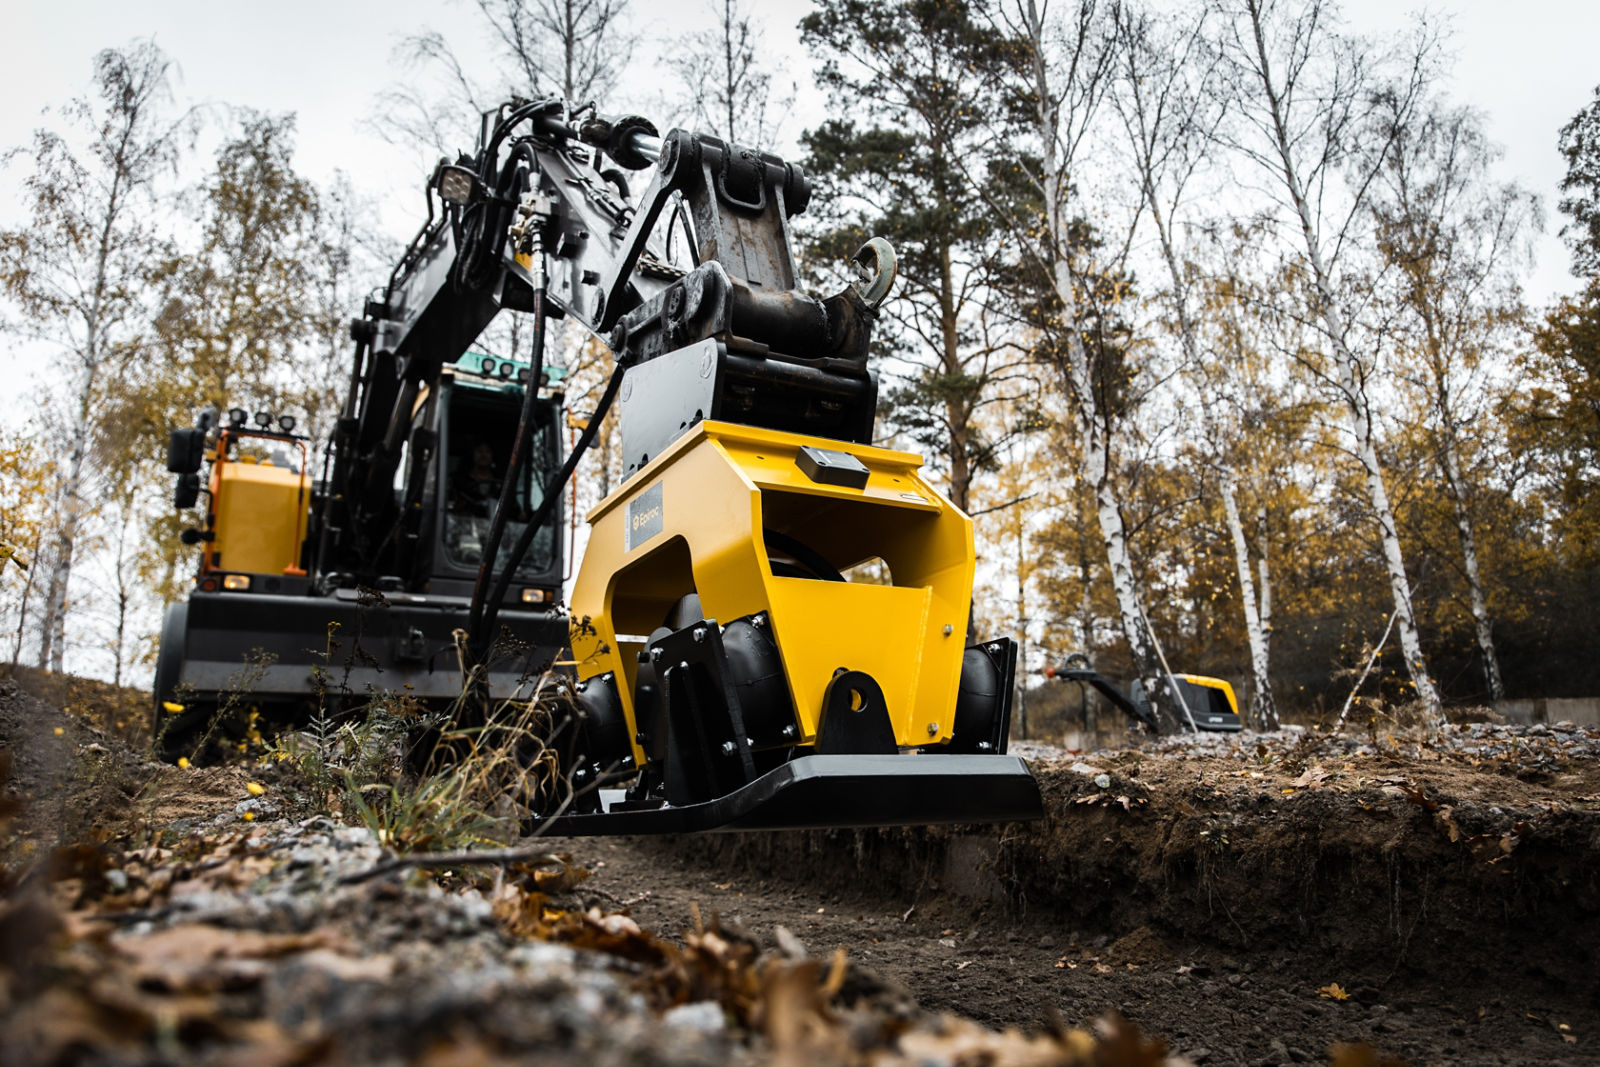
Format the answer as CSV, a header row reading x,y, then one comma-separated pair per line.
x,y
958,418
124,591
1394,560
1264,581
1481,623
27,591
1086,604
1088,419
1022,631
52,642
1351,378
1263,710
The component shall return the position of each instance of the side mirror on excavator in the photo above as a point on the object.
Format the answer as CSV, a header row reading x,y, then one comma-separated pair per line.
x,y
186,450
187,492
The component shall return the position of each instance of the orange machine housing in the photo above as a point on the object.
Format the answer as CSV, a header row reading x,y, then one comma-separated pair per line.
x,y
258,516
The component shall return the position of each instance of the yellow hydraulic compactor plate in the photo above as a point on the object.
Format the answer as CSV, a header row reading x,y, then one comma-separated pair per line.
x,y
800,606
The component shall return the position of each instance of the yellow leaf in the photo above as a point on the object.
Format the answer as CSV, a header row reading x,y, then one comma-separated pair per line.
x,y
248,816
170,708
255,788
1334,991
59,731
183,762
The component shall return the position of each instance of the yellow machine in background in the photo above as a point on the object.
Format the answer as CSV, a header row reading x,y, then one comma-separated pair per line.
x,y
1203,703
259,517
1209,701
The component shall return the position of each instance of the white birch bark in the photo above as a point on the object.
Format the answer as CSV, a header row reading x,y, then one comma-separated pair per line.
x,y
1263,710
1263,576
52,641
1088,420
1167,141
1350,376
86,262
1482,625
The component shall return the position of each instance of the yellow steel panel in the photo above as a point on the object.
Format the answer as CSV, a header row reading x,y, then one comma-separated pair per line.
x,y
261,517
692,521
823,627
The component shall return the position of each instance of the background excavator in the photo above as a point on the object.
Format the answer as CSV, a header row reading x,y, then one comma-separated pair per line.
x,y
1205,704
725,669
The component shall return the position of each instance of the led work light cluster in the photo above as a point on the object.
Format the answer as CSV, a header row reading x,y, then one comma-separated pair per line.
x,y
505,370
238,417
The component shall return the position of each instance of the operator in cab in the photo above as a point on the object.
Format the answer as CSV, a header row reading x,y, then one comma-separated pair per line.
x,y
478,484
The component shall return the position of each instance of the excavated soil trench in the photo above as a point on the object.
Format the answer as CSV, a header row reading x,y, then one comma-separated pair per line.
x,y
1251,902
1439,902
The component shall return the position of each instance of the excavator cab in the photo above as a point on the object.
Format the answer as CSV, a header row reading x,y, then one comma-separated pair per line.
x,y
480,405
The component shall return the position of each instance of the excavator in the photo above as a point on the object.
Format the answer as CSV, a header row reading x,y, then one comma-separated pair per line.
x,y
1205,704
770,623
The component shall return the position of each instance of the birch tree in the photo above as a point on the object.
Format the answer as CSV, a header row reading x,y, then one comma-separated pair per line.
x,y
728,79
574,49
1166,96
1061,85
1307,96
77,269
1257,422
239,311
577,48
1455,243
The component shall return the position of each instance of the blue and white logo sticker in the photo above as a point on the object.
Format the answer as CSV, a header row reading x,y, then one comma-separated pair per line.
x,y
644,518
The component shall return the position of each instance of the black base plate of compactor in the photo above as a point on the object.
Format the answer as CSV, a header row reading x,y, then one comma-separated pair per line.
x,y
815,792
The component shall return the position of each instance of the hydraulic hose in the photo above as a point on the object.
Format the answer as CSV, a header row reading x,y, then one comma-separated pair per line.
x,y
508,485
486,613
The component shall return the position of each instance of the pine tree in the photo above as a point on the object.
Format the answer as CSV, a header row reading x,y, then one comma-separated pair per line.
x,y
912,89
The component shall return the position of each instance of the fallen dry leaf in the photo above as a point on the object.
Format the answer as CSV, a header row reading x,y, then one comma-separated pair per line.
x,y
1334,991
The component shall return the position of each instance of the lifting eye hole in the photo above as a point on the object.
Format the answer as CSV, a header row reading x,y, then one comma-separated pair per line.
x,y
857,701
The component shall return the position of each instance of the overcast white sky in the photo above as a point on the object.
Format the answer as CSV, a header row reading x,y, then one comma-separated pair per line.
x,y
329,61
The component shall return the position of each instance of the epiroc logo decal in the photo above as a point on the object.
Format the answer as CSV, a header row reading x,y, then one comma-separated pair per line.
x,y
644,518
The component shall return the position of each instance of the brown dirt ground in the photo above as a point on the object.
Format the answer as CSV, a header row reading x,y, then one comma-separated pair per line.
x,y
1454,898
1213,894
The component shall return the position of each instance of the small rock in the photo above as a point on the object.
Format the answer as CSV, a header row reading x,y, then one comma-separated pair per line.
x,y
352,836
788,944
117,880
303,857
701,1017
1103,781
